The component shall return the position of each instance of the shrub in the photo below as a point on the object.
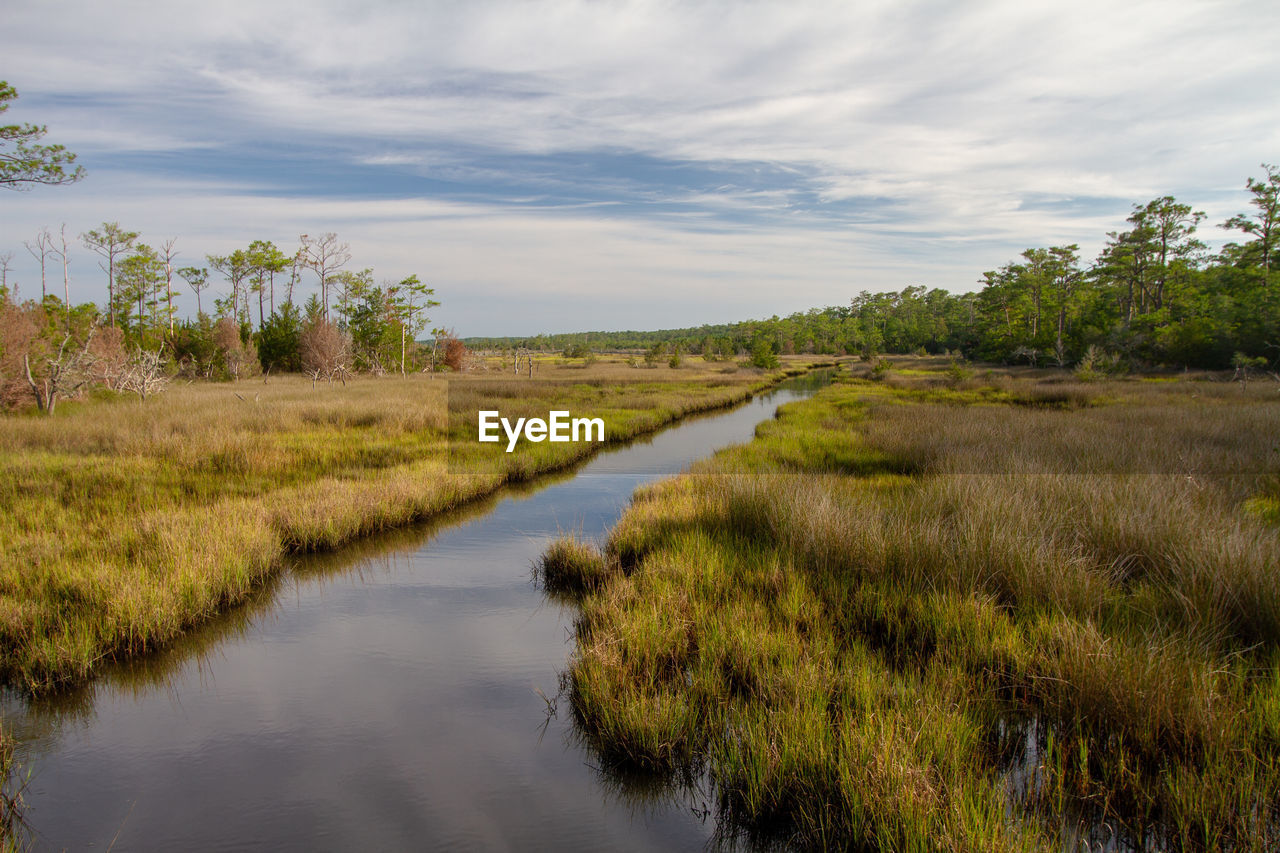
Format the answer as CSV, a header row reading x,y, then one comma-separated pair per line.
x,y
762,355
325,351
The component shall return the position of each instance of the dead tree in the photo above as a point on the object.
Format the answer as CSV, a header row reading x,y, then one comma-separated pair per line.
x,y
65,376
41,250
325,255
145,375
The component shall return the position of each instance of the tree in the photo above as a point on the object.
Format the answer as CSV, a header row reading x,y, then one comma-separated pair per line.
x,y
41,250
64,255
236,355
168,252
1264,224
265,260
411,298
193,348
455,352
144,374
1126,262
372,320
295,263
139,278
23,161
325,255
47,363
110,242
6,264
762,354
280,340
1170,226
351,288
198,279
236,268
326,350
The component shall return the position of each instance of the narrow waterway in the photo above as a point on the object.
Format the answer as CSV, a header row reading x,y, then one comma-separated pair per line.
x,y
389,696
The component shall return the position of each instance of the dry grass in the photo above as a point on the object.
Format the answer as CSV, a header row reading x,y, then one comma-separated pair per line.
x,y
127,522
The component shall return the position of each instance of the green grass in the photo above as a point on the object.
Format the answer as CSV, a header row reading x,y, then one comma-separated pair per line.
x,y
976,615
126,522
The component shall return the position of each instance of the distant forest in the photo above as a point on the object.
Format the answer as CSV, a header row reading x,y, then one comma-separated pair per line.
x,y
1154,296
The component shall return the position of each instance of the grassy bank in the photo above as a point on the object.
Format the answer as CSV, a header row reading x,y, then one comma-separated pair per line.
x,y
126,522
942,612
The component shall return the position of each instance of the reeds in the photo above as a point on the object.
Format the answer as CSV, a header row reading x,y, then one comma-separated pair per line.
x,y
926,618
126,522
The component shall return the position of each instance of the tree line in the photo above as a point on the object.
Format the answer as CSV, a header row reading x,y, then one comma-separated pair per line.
x,y
1155,296
51,348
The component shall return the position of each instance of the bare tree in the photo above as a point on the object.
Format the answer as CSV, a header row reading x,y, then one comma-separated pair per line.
x,y
65,375
6,264
325,255
298,260
64,255
41,250
144,375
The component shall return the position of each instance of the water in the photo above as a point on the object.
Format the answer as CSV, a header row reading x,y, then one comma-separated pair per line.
x,y
389,696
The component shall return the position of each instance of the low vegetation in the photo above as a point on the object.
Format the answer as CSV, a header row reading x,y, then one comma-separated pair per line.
x,y
127,520
946,610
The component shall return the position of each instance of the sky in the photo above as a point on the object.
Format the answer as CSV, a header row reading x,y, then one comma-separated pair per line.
x,y
568,166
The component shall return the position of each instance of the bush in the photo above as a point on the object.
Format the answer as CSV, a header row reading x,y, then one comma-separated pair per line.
x,y
453,352
239,357
193,349
325,350
280,341
762,355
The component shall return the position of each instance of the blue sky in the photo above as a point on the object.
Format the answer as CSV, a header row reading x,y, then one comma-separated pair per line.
x,y
559,166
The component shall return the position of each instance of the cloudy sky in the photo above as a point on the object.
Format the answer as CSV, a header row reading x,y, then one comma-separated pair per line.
x,y
561,166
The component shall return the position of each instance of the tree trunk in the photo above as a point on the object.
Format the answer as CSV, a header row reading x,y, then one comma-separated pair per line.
x,y
42,401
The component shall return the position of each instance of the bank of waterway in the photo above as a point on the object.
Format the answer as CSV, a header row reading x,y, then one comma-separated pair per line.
x,y
387,696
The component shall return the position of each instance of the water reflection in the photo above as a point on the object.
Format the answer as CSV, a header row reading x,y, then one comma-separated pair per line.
x,y
386,696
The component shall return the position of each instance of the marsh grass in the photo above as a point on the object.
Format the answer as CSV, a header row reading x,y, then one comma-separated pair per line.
x,y
126,522
572,568
13,828
930,617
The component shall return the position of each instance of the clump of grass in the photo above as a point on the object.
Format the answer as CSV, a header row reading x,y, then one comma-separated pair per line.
x,y
13,828
572,567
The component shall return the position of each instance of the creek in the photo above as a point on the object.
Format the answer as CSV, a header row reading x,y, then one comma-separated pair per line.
x,y
392,695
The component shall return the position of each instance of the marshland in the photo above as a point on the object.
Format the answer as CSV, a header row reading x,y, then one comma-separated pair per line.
x,y
128,520
262,584
940,608
402,676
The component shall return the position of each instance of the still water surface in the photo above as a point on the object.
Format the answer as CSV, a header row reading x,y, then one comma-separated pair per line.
x,y
383,697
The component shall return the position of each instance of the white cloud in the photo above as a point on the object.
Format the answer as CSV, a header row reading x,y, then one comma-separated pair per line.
x,y
950,116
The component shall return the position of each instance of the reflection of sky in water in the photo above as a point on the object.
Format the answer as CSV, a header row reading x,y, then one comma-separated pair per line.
x,y
392,706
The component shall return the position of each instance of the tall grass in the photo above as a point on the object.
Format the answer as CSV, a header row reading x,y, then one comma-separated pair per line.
x,y
921,615
13,828
127,522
